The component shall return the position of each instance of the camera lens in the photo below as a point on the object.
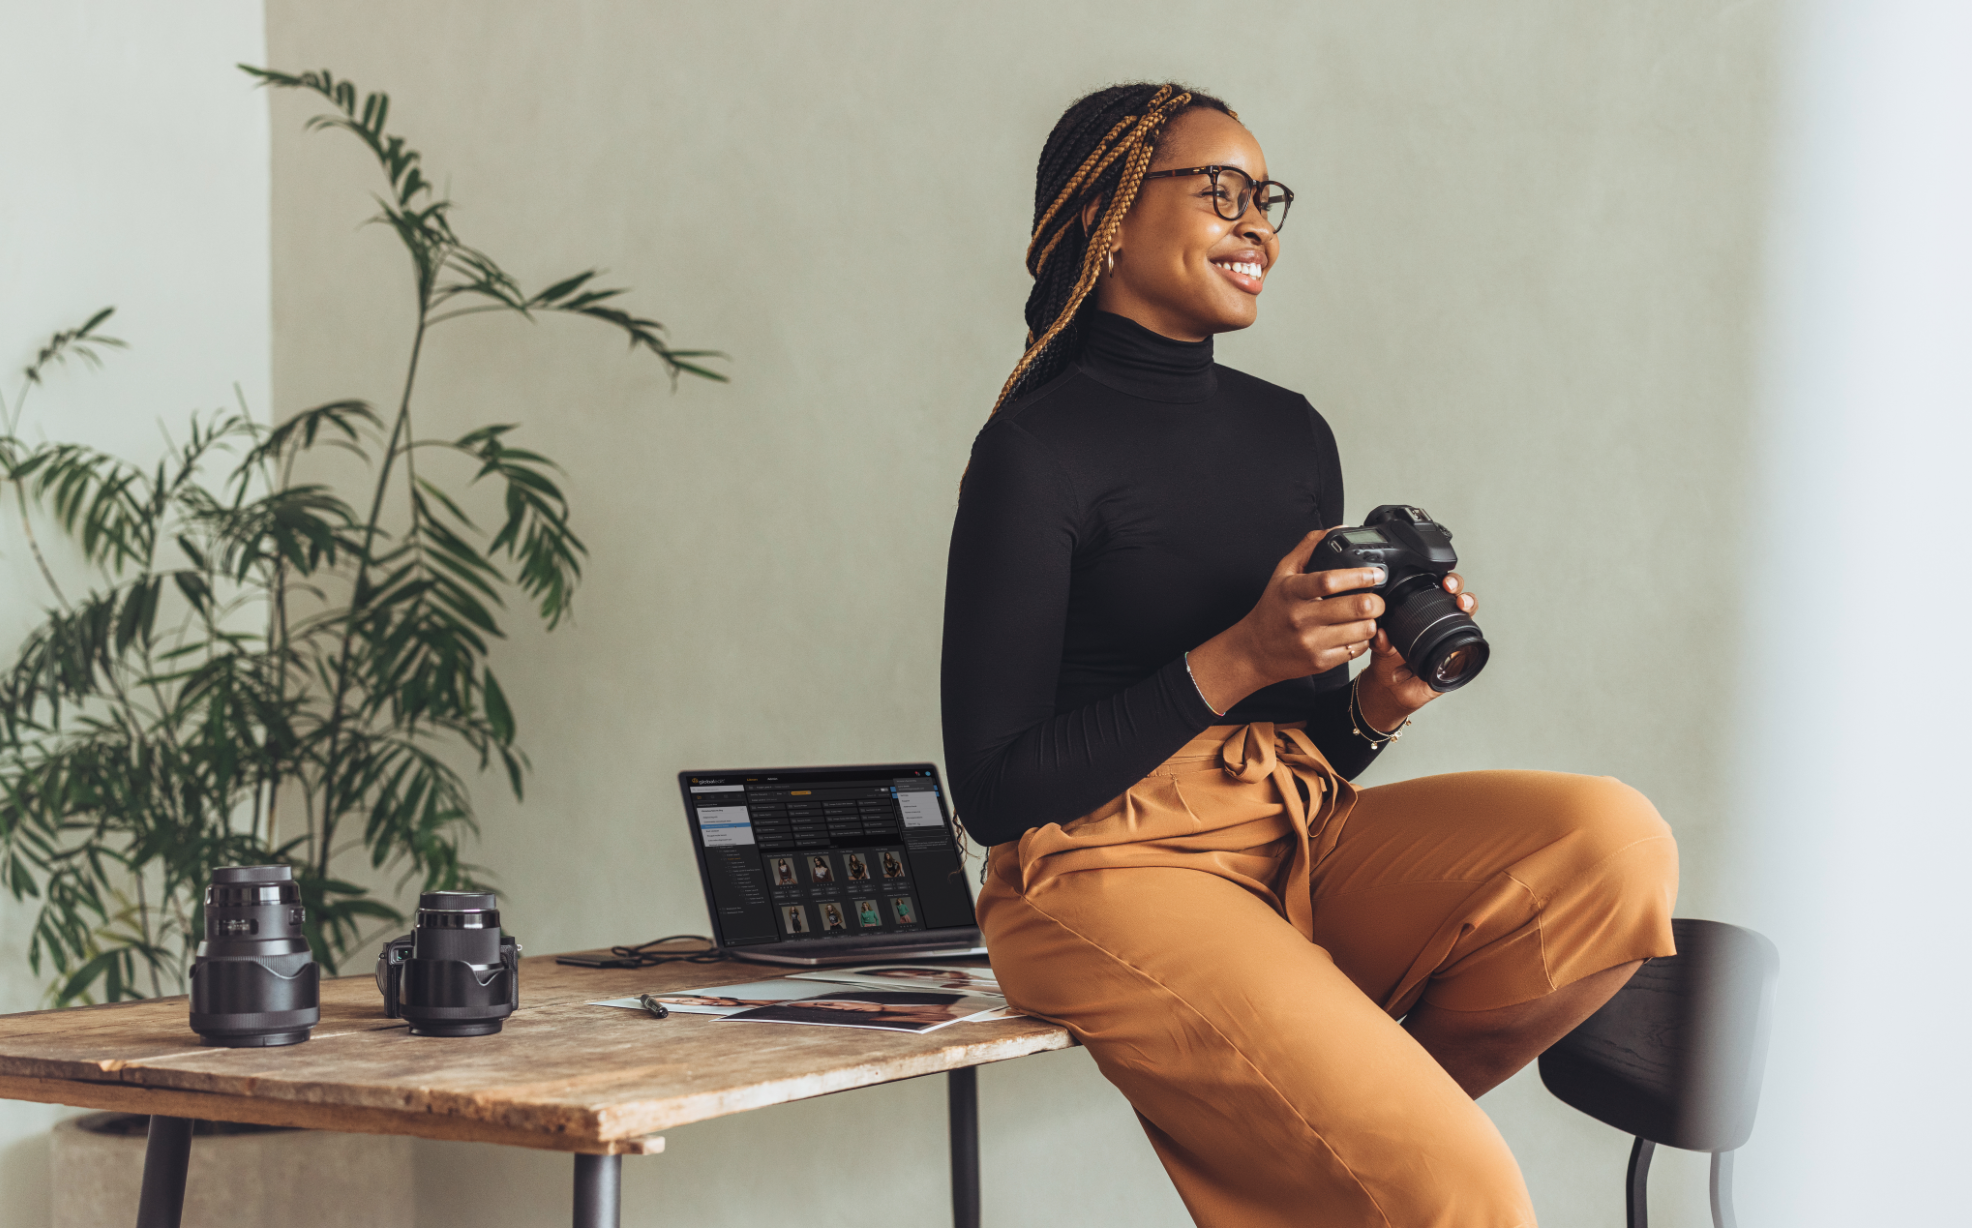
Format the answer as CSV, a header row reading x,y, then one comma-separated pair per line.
x,y
254,982
1437,640
455,974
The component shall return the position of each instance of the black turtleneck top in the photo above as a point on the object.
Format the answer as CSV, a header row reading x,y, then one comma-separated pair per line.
x,y
1110,521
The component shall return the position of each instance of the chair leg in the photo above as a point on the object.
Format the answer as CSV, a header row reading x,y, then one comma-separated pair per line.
x,y
1637,1188
1722,1216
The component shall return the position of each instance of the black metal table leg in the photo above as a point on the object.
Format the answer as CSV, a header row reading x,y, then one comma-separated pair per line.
x,y
166,1155
1637,1188
962,1087
598,1191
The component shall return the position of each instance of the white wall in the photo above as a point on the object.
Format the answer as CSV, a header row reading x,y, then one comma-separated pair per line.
x,y
1853,726
136,167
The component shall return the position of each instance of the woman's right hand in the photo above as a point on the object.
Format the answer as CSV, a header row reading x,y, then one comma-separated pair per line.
x,y
1298,627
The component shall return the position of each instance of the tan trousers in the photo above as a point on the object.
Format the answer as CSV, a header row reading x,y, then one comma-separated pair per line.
x,y
1236,937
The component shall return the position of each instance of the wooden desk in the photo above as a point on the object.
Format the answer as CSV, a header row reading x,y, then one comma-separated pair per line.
x,y
561,1075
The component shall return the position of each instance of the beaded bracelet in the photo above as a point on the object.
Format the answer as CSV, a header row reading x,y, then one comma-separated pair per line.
x,y
1358,722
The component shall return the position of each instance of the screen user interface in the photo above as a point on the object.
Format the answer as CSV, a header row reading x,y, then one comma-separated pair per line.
x,y
825,853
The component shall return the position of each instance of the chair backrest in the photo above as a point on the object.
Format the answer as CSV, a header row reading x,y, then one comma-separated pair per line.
x,y
1676,1056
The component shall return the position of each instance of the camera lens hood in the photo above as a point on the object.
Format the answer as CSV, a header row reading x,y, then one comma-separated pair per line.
x,y
456,973
254,982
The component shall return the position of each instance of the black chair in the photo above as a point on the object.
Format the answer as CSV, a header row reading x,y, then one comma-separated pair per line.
x,y
1675,1057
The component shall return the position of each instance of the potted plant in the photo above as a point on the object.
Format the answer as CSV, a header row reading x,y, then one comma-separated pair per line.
x,y
268,667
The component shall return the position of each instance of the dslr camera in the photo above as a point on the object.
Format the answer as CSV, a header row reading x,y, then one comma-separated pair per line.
x,y
456,973
1438,641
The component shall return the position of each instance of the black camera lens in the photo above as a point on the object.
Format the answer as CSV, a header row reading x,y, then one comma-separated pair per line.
x,y
456,973
254,982
1437,640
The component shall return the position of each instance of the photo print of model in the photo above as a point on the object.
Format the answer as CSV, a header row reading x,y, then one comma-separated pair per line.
x,y
965,978
724,999
887,1010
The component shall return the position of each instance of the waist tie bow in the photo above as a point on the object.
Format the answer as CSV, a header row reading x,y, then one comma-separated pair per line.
x,y
1258,805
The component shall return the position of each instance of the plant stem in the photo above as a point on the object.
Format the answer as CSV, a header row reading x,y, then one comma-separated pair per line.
x,y
347,648
144,927
34,547
20,497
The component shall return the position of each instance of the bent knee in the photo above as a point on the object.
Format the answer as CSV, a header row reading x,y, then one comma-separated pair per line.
x,y
1611,852
1604,816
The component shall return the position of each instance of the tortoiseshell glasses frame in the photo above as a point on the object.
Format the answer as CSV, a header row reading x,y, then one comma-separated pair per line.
x,y
1245,192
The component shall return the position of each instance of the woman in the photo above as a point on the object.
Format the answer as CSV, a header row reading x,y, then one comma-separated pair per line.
x,y
1300,986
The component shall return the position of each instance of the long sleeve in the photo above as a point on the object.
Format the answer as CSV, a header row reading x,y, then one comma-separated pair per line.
x,y
1015,762
1329,726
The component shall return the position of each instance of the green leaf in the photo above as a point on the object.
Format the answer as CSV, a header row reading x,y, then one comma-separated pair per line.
x,y
498,714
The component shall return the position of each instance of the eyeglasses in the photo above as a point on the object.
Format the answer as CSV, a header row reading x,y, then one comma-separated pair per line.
x,y
1233,191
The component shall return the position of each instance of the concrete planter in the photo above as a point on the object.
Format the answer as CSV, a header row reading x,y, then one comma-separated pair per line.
x,y
240,1177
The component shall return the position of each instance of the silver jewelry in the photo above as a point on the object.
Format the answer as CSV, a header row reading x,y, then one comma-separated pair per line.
x,y
1357,723
1198,688
1112,262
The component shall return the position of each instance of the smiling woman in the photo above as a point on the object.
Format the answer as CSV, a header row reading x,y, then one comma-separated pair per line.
x,y
1149,714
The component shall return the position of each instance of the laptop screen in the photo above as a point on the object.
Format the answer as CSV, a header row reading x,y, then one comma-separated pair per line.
x,y
791,854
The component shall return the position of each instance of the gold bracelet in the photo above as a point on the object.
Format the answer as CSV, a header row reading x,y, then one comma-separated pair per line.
x,y
1358,722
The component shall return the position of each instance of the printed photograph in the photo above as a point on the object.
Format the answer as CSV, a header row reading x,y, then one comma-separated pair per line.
x,y
832,921
888,1010
901,905
914,976
784,872
859,867
893,865
724,999
819,869
867,915
794,917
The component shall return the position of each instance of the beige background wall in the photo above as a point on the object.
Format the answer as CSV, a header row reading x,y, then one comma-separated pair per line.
x,y
1520,281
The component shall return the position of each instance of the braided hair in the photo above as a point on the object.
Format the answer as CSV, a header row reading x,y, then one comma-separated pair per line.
x,y
1099,149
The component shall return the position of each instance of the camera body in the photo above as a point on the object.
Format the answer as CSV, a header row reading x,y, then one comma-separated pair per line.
x,y
456,973
254,982
1438,641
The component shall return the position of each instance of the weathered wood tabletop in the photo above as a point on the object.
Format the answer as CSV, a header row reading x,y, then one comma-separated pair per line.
x,y
562,1075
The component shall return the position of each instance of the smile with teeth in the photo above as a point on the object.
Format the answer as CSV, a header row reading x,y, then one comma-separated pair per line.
x,y
1242,267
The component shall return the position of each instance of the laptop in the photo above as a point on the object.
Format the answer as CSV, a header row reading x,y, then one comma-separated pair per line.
x,y
830,865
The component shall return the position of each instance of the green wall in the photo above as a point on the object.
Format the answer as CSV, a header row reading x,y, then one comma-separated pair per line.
x,y
1520,282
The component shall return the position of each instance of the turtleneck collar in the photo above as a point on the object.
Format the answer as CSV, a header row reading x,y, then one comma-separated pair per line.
x,y
1123,354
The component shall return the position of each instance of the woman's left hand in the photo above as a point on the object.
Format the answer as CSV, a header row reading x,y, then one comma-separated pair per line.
x,y
1388,692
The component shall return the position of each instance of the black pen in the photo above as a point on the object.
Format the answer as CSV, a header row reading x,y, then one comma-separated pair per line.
x,y
657,1009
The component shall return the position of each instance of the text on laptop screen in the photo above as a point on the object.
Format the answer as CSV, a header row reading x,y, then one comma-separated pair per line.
x,y
814,854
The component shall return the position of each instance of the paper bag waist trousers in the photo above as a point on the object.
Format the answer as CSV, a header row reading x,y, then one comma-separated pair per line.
x,y
1236,937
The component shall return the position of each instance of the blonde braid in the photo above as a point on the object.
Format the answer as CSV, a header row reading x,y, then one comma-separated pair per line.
x,y
1136,147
